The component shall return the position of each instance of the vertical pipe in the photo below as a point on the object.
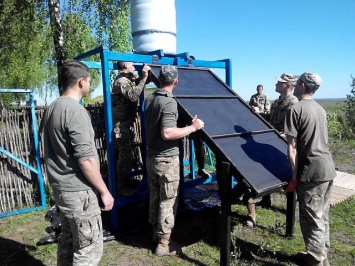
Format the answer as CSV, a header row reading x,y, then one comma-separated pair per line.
x,y
153,24
290,214
224,183
109,133
37,151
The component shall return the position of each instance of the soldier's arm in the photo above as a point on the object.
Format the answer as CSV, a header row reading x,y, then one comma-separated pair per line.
x,y
136,90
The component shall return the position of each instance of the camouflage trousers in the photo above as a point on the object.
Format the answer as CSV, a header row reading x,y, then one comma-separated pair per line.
x,y
314,203
164,179
124,159
80,242
200,151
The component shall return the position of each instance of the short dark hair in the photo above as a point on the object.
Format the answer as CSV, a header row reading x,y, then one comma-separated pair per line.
x,y
310,90
260,86
165,83
120,64
70,72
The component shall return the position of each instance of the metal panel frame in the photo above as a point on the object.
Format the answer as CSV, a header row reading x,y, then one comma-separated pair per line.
x,y
106,64
37,169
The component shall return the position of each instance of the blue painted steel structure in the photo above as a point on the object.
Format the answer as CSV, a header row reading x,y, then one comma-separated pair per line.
x,y
37,169
106,64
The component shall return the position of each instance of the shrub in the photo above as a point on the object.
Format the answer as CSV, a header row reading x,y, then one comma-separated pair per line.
x,y
350,107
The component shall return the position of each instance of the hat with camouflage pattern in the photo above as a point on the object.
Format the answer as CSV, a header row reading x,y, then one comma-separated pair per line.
x,y
168,73
312,80
288,78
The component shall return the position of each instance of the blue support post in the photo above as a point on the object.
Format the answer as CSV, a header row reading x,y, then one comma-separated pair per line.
x,y
37,151
37,169
112,180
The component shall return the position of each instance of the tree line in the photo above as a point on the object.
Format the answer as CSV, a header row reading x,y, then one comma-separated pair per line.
x,y
37,36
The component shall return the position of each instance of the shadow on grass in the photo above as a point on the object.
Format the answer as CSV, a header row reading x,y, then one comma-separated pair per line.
x,y
251,252
15,253
192,227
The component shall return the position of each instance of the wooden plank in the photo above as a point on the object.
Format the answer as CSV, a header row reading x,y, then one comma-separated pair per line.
x,y
340,194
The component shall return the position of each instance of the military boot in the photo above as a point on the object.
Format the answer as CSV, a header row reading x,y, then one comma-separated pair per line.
x,y
251,218
306,259
166,247
203,173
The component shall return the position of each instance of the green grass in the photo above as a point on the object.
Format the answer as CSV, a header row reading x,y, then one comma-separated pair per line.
x,y
198,232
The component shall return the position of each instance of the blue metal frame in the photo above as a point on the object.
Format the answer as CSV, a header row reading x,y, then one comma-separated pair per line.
x,y
37,170
154,57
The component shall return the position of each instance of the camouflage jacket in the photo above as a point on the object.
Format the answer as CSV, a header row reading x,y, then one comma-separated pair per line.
x,y
261,101
278,111
126,90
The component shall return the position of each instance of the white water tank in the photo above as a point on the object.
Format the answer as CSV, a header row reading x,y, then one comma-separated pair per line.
x,y
153,25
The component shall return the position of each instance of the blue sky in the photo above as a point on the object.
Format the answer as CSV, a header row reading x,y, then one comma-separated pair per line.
x,y
265,38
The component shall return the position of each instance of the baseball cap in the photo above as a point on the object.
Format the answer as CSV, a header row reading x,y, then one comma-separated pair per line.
x,y
289,78
312,80
168,73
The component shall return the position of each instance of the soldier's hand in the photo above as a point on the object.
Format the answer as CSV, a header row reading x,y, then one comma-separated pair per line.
x,y
107,201
255,110
145,71
291,186
197,123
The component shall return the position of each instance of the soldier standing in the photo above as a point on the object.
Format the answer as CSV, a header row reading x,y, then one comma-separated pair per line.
x,y
312,167
73,170
126,90
163,158
279,107
260,102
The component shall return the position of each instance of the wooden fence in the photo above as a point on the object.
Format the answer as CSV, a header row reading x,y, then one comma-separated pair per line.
x,y
18,185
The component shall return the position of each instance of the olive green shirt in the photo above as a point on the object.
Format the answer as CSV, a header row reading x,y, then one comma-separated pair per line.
x,y
160,112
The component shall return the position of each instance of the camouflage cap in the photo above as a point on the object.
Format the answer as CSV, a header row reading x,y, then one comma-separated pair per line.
x,y
289,78
312,80
168,73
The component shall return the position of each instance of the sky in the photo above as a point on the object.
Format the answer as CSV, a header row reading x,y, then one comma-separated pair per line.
x,y
265,38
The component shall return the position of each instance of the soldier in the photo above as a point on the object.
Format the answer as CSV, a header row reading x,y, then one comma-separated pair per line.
x,y
279,107
73,170
312,168
126,90
163,158
200,152
260,102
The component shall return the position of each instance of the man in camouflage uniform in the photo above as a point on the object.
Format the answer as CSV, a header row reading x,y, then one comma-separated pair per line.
x,y
163,168
126,90
279,107
260,102
312,168
73,170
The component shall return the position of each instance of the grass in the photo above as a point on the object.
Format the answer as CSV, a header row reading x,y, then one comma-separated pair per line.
x,y
198,232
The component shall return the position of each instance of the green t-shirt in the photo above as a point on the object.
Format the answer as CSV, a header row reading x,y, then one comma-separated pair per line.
x,y
68,140
160,112
307,121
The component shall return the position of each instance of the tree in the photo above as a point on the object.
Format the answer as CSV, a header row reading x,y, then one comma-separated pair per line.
x,y
350,107
21,46
37,36
87,24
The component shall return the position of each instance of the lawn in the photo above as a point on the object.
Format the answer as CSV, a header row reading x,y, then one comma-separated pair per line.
x,y
197,232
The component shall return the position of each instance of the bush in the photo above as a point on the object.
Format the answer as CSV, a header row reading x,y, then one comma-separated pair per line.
x,y
350,107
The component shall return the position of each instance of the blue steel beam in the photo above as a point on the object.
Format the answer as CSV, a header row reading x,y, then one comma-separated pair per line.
x,y
37,171
18,160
